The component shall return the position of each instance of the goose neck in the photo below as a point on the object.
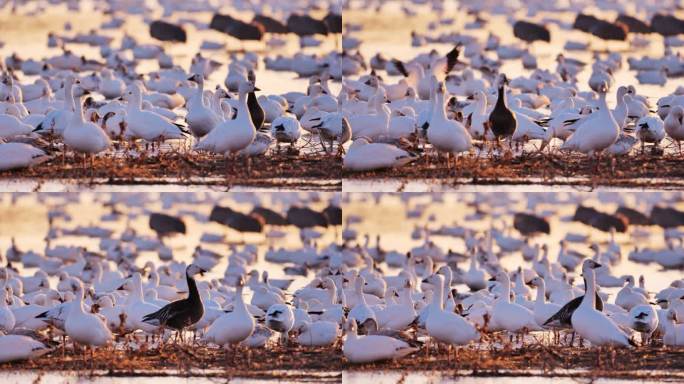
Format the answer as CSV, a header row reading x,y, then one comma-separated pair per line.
x,y
589,298
193,293
541,292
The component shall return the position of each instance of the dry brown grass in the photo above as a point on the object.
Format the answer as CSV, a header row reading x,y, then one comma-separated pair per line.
x,y
327,364
543,169
277,171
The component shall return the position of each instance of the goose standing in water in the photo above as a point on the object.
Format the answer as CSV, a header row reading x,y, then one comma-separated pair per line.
x,y
593,325
502,121
181,313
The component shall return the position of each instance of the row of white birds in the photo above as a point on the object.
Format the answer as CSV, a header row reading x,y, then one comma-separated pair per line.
x,y
91,106
378,303
453,101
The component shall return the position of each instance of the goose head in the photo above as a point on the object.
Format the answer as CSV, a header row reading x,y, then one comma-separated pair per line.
x,y
589,264
194,269
197,78
246,87
536,282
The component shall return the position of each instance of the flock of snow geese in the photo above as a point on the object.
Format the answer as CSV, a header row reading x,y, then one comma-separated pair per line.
x,y
376,303
462,103
95,106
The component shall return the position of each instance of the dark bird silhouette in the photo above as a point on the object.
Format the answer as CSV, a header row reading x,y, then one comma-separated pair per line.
x,y
270,24
270,217
166,225
528,224
304,25
502,121
633,216
306,218
334,22
334,214
161,30
667,217
633,24
601,28
256,111
237,220
667,25
531,32
451,57
236,28
600,220
181,313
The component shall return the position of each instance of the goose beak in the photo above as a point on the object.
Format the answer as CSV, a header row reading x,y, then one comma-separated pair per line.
x,y
492,278
121,288
256,89
202,272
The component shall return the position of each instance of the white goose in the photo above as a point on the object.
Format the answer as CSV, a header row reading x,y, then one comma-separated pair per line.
x,y
136,307
85,328
363,155
20,155
597,133
231,136
593,325
446,326
318,333
145,124
7,320
366,349
11,126
510,316
542,309
674,333
446,135
200,118
85,136
17,347
645,320
232,327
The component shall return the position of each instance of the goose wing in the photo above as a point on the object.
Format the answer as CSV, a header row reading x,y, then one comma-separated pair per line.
x,y
166,313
